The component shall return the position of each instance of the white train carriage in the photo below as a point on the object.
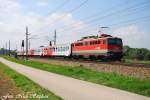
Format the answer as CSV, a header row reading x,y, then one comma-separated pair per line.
x,y
61,50
38,52
20,53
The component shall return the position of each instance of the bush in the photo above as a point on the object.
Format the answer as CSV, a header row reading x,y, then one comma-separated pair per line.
x,y
136,53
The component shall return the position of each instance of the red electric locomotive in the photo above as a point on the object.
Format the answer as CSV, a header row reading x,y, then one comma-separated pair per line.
x,y
98,47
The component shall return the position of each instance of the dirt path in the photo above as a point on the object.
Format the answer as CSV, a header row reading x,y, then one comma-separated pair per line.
x,y
72,89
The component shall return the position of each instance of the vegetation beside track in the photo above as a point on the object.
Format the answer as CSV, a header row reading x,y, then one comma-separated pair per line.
x,y
109,79
139,54
129,61
28,87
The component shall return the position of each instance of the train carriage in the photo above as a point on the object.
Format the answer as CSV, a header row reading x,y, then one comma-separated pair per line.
x,y
47,51
61,50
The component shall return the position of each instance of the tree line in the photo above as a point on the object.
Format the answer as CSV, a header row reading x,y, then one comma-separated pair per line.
x,y
136,53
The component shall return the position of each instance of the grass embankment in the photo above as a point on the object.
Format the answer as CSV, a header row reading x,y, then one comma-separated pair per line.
x,y
28,87
8,86
109,79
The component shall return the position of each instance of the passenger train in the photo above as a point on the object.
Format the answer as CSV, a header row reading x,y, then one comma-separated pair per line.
x,y
94,47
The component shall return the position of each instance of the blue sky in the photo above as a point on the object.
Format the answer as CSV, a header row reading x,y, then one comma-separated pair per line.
x,y
44,16
90,8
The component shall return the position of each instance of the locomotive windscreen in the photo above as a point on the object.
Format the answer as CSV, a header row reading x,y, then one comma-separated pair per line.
x,y
114,41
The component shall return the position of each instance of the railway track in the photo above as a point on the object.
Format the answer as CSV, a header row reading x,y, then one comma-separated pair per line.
x,y
141,71
101,62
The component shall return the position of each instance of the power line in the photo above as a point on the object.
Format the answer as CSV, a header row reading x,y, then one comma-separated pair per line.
x,y
71,11
128,22
59,7
96,14
79,6
111,8
131,20
120,11
112,14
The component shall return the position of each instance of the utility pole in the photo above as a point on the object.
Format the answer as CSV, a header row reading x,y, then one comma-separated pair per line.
x,y
55,37
9,47
16,48
6,49
27,34
29,44
3,49
22,48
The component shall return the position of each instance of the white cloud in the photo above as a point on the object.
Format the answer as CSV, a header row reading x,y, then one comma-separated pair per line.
x,y
133,36
13,22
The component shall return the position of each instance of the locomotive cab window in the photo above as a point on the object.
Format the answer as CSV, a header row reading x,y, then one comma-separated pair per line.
x,y
119,41
114,41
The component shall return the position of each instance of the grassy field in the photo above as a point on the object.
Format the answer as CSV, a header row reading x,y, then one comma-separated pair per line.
x,y
109,79
26,85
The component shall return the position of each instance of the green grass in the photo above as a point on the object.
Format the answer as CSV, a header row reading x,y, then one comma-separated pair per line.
x,y
26,85
137,61
109,79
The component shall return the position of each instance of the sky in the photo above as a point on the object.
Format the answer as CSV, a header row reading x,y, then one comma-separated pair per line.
x,y
73,19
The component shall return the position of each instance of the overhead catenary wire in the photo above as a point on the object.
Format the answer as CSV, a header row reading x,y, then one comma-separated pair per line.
x,y
96,21
122,11
127,22
59,7
111,14
91,16
70,11
96,14
117,25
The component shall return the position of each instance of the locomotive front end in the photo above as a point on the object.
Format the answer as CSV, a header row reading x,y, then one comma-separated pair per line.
x,y
115,48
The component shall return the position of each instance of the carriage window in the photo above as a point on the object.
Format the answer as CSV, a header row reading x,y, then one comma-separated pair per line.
x,y
86,43
79,44
104,42
98,42
67,47
56,49
91,43
63,49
